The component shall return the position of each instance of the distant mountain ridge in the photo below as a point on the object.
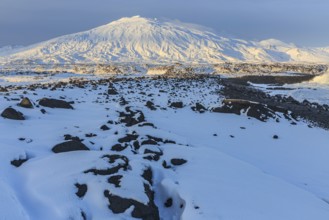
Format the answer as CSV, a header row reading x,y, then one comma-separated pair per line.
x,y
144,40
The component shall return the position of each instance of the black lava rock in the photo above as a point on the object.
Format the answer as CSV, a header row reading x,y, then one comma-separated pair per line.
x,y
82,190
150,105
168,203
115,180
105,128
176,105
69,146
55,103
178,162
13,114
18,163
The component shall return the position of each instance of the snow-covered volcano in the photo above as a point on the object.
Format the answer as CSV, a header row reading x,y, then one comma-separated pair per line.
x,y
138,39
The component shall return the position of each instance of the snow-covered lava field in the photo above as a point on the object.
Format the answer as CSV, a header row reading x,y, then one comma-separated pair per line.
x,y
161,147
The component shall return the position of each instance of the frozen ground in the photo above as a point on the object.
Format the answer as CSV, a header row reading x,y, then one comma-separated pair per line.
x,y
173,163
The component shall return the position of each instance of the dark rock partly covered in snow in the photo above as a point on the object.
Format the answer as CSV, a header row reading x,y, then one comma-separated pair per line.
x,y
69,146
275,137
176,105
119,147
128,138
147,124
104,128
145,211
165,165
90,135
26,103
149,142
198,108
123,101
69,137
315,114
18,162
120,205
115,180
131,117
148,175
168,203
252,109
112,90
152,155
122,164
55,103
13,114
150,105
82,190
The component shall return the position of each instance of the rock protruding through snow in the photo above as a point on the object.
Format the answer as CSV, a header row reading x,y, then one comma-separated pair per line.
x,y
11,113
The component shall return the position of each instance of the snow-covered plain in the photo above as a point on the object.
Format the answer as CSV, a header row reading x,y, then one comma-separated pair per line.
x,y
235,169
174,162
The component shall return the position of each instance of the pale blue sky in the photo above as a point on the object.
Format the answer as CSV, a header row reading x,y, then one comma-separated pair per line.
x,y
304,22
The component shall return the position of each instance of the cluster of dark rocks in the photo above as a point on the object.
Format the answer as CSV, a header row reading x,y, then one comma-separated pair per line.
x,y
242,96
256,110
11,113
267,68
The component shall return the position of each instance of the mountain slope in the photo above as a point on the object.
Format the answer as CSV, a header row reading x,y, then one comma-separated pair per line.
x,y
138,39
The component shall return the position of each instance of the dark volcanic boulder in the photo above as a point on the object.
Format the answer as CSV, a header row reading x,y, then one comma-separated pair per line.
x,y
55,103
13,114
26,103
69,146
